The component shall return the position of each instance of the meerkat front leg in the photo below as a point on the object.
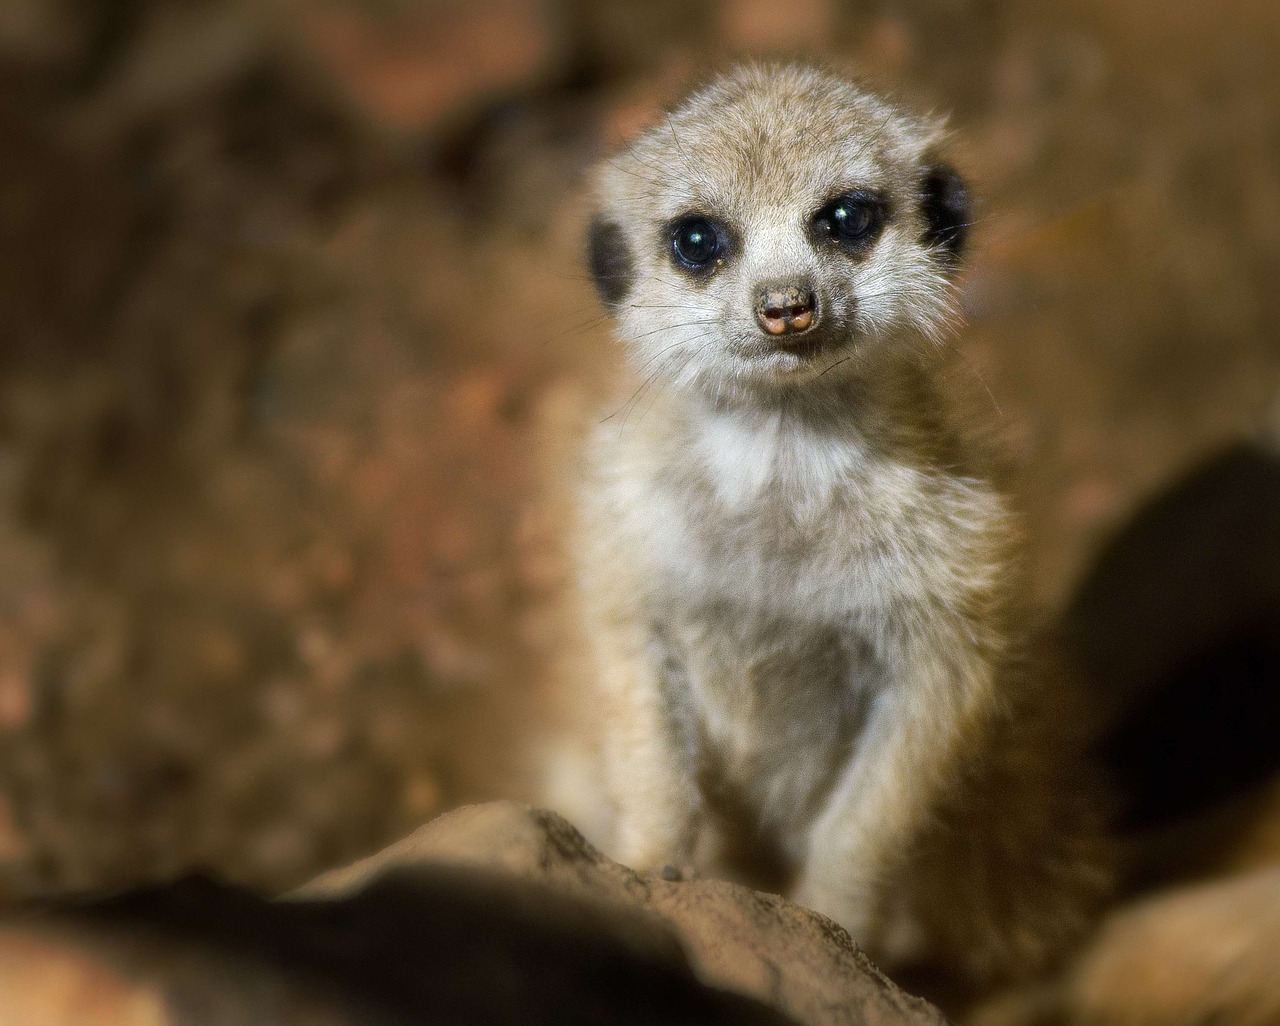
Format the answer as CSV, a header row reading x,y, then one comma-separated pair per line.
x,y
861,846
648,757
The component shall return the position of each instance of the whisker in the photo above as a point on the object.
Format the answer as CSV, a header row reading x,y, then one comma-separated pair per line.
x,y
972,369
634,174
700,323
663,351
871,136
676,376
631,403
834,365
689,168
629,146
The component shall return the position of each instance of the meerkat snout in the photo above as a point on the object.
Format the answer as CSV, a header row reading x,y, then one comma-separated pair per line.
x,y
786,309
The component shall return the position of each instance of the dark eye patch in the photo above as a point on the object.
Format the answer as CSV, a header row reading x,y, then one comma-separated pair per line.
x,y
944,203
610,260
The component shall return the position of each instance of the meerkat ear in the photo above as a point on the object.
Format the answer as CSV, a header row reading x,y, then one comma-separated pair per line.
x,y
610,260
945,204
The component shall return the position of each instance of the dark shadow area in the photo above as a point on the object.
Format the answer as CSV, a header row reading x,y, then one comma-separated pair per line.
x,y
1205,734
1177,628
445,945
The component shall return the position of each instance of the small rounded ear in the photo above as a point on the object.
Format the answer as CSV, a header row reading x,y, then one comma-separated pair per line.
x,y
944,202
610,261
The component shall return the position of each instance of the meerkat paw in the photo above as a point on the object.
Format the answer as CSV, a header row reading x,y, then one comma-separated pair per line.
x,y
649,850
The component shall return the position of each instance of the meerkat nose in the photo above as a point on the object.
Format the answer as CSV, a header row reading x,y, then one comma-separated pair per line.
x,y
786,309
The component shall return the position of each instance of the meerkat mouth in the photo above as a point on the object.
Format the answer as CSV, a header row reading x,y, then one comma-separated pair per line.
x,y
806,347
801,351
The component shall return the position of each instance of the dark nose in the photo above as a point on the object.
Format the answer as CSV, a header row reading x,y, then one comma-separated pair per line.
x,y
784,310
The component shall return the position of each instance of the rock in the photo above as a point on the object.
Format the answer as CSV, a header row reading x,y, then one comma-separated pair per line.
x,y
755,944
1202,954
409,70
43,983
446,944
1271,426
758,26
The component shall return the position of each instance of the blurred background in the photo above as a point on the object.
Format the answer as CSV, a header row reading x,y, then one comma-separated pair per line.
x,y
295,333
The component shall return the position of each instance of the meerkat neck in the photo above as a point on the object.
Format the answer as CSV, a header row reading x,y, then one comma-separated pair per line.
x,y
893,412
805,450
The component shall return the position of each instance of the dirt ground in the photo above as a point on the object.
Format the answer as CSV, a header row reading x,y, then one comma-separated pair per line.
x,y
294,327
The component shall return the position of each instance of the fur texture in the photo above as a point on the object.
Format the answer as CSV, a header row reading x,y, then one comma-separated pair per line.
x,y
794,576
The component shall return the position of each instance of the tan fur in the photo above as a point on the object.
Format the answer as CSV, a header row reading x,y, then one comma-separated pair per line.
x,y
794,575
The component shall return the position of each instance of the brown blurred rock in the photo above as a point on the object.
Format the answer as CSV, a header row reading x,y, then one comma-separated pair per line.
x,y
629,38
13,842
763,25
1199,955
47,984
1271,426
756,944
177,51
446,945
410,69
34,30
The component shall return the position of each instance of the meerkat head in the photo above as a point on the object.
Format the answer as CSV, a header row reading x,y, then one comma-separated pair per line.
x,y
778,225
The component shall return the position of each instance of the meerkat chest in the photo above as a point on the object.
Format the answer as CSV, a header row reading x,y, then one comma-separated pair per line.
x,y
769,620
798,525
762,689
779,557
770,566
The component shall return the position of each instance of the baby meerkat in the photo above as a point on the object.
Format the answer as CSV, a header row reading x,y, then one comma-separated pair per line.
x,y
794,578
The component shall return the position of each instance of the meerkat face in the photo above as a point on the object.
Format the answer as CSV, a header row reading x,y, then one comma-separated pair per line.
x,y
779,225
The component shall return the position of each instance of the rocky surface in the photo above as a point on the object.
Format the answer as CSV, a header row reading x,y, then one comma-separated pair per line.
x,y
757,944
494,914
53,981
444,945
1202,955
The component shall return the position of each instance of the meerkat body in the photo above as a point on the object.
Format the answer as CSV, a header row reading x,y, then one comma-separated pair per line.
x,y
794,578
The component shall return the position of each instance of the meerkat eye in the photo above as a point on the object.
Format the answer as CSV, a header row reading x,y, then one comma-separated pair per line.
x,y
695,242
853,219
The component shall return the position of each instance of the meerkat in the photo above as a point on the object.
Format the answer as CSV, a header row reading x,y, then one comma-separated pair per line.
x,y
794,577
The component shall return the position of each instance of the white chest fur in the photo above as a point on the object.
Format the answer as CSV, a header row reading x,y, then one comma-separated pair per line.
x,y
753,460
774,555
784,519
